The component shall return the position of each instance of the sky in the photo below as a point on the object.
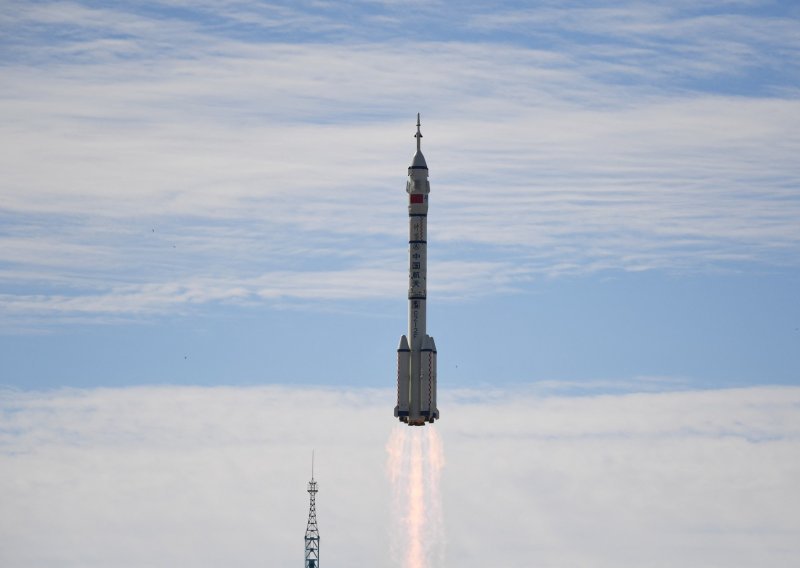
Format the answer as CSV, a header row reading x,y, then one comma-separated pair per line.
x,y
201,476
203,207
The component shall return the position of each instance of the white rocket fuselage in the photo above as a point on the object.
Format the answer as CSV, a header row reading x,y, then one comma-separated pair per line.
x,y
416,354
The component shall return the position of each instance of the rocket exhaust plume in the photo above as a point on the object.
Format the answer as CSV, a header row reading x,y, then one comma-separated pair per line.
x,y
414,464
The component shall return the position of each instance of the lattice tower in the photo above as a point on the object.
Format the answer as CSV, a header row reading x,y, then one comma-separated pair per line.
x,y
312,532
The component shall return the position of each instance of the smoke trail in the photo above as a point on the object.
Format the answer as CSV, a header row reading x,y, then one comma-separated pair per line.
x,y
414,464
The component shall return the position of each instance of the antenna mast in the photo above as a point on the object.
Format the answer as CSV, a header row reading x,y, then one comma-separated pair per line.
x,y
312,532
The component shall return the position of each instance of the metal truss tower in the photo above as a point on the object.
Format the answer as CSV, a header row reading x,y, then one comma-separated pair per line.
x,y
312,532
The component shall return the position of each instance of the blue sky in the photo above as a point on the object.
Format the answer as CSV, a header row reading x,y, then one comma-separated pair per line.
x,y
212,193
203,233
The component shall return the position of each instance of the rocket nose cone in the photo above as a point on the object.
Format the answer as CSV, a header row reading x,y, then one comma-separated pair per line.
x,y
418,163
403,344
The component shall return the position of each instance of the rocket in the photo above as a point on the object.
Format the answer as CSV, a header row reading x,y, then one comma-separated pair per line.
x,y
416,354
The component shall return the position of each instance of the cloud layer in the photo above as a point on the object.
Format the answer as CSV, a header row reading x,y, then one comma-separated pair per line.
x,y
175,476
159,162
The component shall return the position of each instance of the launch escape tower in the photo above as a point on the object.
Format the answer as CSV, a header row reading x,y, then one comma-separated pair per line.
x,y
312,532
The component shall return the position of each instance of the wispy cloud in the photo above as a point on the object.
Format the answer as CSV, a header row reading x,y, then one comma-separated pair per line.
x,y
662,43
165,476
131,301
154,151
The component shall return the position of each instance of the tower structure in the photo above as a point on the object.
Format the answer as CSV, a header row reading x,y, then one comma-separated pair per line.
x,y
312,532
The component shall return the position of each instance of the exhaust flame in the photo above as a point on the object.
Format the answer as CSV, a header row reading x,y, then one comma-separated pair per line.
x,y
414,464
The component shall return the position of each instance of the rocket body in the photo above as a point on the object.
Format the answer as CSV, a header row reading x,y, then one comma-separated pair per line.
x,y
416,354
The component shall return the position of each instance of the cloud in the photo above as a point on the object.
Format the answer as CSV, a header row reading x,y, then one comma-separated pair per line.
x,y
209,476
644,41
155,153
126,302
